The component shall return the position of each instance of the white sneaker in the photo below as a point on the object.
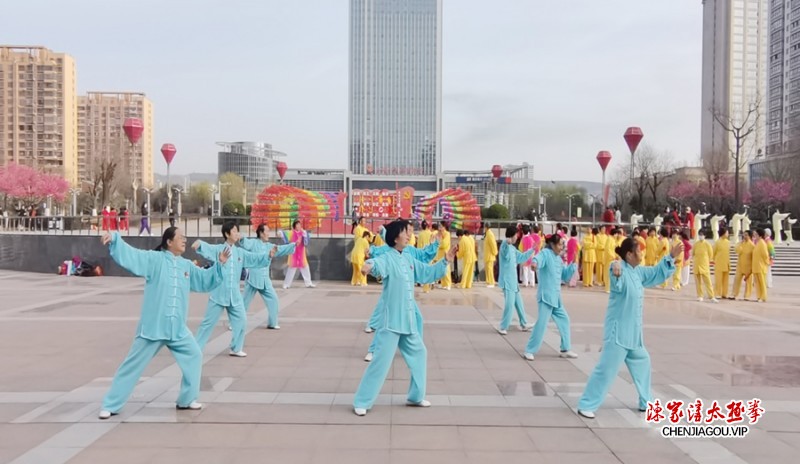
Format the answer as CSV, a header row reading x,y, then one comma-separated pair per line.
x,y
369,330
286,287
238,354
586,414
105,414
502,332
528,356
360,411
368,357
525,328
714,300
700,299
194,406
311,286
447,288
568,354
421,404
490,286
274,327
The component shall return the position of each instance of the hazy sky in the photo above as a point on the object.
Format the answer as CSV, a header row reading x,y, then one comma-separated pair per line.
x,y
550,82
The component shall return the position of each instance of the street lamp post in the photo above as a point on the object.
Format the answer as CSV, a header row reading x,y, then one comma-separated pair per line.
x,y
594,201
569,214
545,196
74,193
633,135
213,197
178,191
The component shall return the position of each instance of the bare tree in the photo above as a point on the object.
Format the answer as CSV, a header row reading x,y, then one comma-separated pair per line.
x,y
655,167
740,127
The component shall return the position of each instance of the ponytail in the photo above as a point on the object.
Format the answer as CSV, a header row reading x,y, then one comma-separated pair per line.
x,y
169,235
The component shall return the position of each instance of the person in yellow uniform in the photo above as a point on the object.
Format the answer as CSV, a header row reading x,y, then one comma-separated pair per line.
x,y
676,277
424,239
444,247
637,235
466,253
359,230
663,248
601,263
701,265
651,250
761,262
589,257
489,255
357,258
722,263
744,266
610,254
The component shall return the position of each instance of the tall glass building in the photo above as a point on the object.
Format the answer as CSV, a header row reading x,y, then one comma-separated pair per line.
x,y
395,87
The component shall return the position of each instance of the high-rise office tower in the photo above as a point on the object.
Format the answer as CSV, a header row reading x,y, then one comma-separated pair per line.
x,y
395,87
735,41
38,104
101,135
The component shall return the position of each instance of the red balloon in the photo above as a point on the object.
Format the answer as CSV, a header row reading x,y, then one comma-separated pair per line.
x,y
281,167
133,129
168,150
497,170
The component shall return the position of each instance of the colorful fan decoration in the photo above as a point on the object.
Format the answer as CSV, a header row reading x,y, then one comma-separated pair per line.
x,y
458,207
278,206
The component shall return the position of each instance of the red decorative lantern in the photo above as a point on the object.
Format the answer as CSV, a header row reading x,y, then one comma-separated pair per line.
x,y
133,128
497,170
281,167
168,150
603,158
633,135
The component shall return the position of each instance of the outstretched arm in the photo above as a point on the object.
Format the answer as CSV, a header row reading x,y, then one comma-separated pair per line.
x,y
137,262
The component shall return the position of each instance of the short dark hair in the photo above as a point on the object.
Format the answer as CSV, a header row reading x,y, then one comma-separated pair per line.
x,y
722,230
511,231
227,228
294,224
628,245
260,230
393,229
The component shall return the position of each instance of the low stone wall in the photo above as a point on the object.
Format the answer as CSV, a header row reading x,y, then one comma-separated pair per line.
x,y
327,257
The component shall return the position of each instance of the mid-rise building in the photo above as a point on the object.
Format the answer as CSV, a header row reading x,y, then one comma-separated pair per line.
x,y
255,162
38,110
395,90
101,116
735,48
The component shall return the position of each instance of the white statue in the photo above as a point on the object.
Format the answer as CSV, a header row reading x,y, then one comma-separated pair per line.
x,y
736,226
746,223
635,218
791,222
698,222
657,221
715,226
777,225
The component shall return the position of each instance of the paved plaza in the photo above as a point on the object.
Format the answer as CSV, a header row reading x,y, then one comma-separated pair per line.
x,y
289,400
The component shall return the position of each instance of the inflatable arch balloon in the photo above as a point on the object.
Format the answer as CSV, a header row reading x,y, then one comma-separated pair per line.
x,y
278,206
457,206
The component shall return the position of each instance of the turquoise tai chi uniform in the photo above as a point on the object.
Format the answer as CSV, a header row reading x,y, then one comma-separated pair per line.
x,y
424,255
552,272
168,280
258,281
401,328
227,295
509,258
622,333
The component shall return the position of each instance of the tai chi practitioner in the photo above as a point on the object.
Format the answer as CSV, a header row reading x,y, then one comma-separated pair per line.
x,y
509,258
573,253
552,272
168,280
589,257
376,320
622,332
760,265
676,277
357,257
701,266
744,267
526,243
258,280
444,247
227,295
601,262
489,255
467,253
426,236
722,263
298,259
687,264
399,272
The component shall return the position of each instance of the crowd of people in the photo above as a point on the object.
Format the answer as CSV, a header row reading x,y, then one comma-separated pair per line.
x,y
400,259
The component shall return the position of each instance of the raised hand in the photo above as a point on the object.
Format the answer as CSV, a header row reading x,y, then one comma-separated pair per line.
x,y
273,251
677,249
105,238
451,255
196,245
223,256
366,268
616,269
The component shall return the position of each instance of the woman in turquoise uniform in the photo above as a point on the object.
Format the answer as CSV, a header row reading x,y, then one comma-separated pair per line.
x,y
552,273
227,295
509,258
168,280
399,272
258,281
622,333
424,255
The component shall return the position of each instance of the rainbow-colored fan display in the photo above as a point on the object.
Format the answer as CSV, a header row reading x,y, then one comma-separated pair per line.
x,y
458,206
278,206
